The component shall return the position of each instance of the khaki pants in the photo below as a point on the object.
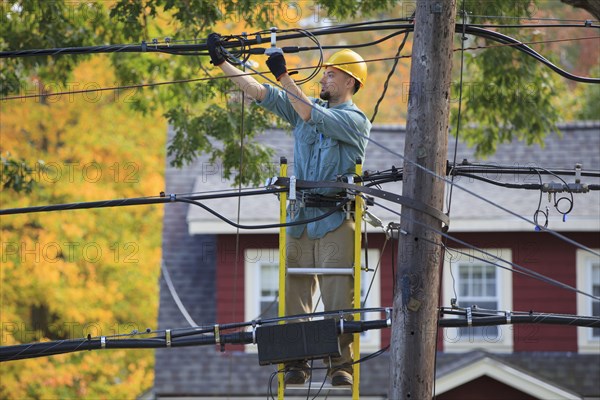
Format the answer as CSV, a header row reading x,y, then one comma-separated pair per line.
x,y
334,250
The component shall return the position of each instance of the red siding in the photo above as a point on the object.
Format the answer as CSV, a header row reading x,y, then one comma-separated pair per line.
x,y
484,388
552,257
230,275
539,252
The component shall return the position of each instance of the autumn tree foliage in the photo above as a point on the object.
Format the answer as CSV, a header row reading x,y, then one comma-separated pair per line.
x,y
68,274
72,273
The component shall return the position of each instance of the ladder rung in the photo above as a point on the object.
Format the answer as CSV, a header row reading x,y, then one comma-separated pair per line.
x,y
320,271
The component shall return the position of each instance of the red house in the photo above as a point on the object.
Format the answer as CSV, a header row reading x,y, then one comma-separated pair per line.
x,y
218,276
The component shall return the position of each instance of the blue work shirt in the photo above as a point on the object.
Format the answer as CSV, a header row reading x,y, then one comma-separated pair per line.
x,y
325,146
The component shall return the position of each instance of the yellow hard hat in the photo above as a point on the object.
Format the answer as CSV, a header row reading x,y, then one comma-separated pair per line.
x,y
351,63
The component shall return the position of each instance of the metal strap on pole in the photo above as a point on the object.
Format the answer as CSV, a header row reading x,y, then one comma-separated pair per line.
x,y
282,269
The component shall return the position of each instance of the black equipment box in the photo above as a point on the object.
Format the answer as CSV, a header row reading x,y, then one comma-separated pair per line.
x,y
297,341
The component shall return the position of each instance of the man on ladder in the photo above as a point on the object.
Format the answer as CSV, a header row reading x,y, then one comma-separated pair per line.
x,y
330,134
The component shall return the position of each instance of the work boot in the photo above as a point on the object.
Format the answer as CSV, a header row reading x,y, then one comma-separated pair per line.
x,y
296,374
340,377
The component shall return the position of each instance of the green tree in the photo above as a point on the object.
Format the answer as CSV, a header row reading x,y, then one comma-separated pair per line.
x,y
195,111
206,119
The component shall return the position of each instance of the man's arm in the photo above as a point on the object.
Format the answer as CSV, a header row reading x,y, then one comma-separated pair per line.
x,y
246,83
250,86
298,99
301,103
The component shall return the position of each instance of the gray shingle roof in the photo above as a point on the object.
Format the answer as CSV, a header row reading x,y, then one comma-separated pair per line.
x,y
579,144
191,262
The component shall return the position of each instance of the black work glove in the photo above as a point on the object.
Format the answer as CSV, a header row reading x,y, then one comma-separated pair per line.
x,y
215,50
276,64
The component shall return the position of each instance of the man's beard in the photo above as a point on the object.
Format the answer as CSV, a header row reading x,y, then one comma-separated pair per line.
x,y
325,95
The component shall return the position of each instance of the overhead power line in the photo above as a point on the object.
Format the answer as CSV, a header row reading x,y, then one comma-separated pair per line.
x,y
245,43
210,334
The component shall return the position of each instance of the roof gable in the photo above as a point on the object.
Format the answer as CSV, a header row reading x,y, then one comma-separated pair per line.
x,y
485,365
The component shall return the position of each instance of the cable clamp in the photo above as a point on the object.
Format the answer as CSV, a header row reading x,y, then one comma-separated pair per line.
x,y
102,342
144,46
508,315
372,220
172,196
254,323
388,316
341,326
273,49
469,317
292,197
270,182
217,335
168,338
352,197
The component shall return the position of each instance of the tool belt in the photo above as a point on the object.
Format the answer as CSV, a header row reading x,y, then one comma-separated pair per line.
x,y
323,201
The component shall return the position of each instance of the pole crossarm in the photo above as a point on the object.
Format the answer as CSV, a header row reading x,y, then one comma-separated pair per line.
x,y
393,197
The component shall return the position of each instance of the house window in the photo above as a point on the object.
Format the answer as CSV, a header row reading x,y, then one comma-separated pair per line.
x,y
476,283
261,279
588,281
478,286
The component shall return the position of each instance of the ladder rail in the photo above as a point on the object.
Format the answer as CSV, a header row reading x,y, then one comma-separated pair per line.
x,y
355,271
282,268
358,211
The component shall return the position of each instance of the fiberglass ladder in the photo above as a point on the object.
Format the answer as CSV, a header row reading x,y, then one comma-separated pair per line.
x,y
355,271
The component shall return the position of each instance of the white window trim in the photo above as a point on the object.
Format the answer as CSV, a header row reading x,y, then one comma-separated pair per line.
x,y
371,341
451,341
585,342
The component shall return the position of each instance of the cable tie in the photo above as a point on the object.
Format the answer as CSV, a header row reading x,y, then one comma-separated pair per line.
x,y
341,326
102,342
469,317
508,316
217,336
388,316
172,196
168,337
292,195
144,46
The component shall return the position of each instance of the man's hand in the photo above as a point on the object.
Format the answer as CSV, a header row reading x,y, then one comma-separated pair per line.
x,y
215,50
276,64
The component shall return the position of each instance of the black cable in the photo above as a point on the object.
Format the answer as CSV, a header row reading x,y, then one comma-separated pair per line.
x,y
530,19
539,211
516,267
390,74
326,31
319,65
267,226
529,186
512,169
463,38
376,270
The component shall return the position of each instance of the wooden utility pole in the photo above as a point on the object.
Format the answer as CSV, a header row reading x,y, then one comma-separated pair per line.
x,y
414,329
